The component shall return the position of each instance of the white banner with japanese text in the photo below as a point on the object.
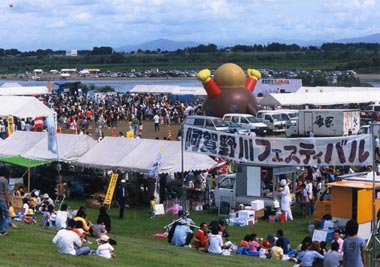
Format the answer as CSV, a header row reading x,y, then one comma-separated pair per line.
x,y
345,150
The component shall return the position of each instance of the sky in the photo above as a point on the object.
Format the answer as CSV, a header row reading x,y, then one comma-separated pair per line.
x,y
28,25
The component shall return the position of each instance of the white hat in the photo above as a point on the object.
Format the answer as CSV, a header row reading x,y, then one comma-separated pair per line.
x,y
283,182
46,195
104,238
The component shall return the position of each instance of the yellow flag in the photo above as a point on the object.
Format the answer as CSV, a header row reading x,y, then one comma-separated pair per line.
x,y
11,125
111,189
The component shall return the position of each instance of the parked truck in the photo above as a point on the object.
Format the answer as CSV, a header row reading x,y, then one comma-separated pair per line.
x,y
324,122
252,182
349,199
366,129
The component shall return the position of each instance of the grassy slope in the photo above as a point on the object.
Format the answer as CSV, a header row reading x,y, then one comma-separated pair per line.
x,y
30,245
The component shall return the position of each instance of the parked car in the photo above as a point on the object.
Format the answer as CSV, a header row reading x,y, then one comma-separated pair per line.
x,y
236,128
208,122
246,121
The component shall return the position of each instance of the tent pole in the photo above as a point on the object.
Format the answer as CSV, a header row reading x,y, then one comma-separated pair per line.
x,y
28,179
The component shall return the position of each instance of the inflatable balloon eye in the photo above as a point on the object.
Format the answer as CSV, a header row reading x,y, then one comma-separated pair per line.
x,y
230,91
11,5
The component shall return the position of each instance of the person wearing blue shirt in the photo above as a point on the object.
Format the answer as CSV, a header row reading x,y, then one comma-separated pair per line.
x,y
285,241
353,246
182,235
311,255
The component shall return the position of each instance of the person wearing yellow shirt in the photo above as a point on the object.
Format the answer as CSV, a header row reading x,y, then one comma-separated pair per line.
x,y
12,213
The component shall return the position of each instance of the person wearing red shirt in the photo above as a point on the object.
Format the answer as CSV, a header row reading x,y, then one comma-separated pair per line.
x,y
201,238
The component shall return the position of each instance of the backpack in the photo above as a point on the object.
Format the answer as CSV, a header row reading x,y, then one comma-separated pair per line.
x,y
171,232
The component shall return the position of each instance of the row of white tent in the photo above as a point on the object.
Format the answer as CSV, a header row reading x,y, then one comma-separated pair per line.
x,y
323,96
31,148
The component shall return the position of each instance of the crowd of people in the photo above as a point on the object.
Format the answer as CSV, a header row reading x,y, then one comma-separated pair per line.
x,y
214,239
73,227
80,113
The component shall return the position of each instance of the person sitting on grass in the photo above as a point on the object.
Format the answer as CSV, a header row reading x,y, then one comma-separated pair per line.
x,y
83,234
45,220
182,235
98,229
62,217
68,242
244,243
104,249
105,218
216,243
81,216
201,238
253,244
276,252
28,212
333,257
311,255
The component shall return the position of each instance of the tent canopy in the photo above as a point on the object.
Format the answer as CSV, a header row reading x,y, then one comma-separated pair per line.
x,y
169,89
323,98
34,146
141,154
21,161
23,107
15,89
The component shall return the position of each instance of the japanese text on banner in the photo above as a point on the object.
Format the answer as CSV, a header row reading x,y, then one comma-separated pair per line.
x,y
345,150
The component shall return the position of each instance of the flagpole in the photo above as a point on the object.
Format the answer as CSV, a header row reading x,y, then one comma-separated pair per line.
x,y
183,191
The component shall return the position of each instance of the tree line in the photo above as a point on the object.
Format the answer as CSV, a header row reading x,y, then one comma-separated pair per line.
x,y
362,57
210,48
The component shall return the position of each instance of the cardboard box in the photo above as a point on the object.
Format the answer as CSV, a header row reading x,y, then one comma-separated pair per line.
x,y
259,213
257,204
246,214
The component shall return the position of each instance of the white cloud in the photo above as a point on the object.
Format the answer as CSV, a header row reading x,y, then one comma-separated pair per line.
x,y
85,24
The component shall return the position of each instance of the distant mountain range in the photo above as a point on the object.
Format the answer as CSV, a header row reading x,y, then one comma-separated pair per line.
x,y
162,44
170,45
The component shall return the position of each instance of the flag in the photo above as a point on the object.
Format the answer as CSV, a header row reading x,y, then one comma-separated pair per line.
x,y
11,125
52,134
153,171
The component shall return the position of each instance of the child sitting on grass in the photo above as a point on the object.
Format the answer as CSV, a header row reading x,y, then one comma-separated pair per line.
x,y
104,249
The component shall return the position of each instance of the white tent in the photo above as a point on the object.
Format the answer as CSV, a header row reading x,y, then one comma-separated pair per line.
x,y
141,154
331,89
169,89
145,155
17,89
109,152
34,145
23,106
323,98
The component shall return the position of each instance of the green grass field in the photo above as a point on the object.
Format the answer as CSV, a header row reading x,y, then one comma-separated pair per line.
x,y
30,245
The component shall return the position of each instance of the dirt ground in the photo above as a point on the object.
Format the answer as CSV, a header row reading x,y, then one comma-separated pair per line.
x,y
148,131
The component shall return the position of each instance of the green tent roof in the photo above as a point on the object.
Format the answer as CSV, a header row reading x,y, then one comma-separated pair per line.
x,y
18,160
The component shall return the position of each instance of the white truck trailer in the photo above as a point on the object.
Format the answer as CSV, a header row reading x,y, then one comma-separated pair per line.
x,y
324,122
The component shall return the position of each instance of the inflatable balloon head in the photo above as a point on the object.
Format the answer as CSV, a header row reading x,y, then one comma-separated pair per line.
x,y
230,91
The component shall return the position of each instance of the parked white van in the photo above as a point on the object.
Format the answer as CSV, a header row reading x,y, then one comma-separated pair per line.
x,y
275,119
207,122
247,121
